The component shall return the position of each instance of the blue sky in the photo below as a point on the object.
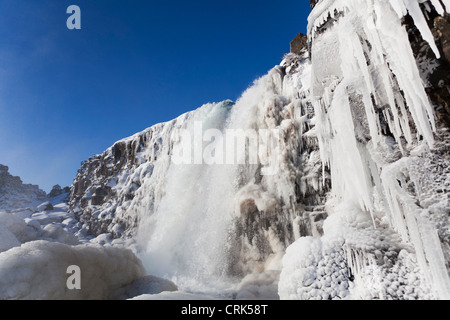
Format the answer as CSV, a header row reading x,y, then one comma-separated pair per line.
x,y
66,95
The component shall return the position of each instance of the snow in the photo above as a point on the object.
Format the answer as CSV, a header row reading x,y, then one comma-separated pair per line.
x,y
7,239
38,270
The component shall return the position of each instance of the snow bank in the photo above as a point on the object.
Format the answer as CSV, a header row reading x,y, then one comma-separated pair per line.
x,y
7,239
22,231
38,270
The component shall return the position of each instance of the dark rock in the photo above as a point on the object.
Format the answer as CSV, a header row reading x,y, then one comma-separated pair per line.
x,y
442,31
14,194
436,79
56,191
313,3
46,206
299,44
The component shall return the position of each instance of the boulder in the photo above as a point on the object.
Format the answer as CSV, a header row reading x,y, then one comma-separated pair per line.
x,y
46,206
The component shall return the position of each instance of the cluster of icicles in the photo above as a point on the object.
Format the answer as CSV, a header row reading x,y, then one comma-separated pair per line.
x,y
377,83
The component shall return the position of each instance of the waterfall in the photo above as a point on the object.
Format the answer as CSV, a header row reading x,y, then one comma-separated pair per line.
x,y
229,200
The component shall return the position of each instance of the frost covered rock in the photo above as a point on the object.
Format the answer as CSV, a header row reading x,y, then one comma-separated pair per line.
x,y
299,43
38,271
16,195
56,191
18,227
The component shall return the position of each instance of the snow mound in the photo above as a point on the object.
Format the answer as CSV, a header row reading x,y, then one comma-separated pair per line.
x,y
7,239
38,271
17,227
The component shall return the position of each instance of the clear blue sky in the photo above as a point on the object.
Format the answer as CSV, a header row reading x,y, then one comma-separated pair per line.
x,y
66,95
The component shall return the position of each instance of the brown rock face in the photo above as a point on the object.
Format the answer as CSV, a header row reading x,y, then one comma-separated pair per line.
x,y
299,43
442,33
436,77
313,3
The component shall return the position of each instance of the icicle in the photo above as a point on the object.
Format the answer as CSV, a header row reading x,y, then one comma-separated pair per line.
x,y
421,23
408,220
437,5
446,4
403,65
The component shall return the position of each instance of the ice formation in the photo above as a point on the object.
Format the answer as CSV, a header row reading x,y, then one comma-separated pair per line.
x,y
38,271
364,95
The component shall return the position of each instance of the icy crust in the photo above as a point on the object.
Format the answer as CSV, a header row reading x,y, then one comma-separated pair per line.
x,y
38,271
327,10
352,261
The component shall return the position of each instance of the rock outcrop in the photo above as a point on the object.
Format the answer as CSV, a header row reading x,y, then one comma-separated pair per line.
x,y
14,194
299,43
434,71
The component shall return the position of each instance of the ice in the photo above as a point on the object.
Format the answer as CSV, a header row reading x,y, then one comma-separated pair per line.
x,y
17,226
178,295
420,22
375,225
38,271
7,239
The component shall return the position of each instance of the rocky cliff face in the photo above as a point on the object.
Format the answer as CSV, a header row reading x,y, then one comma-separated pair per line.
x,y
107,183
313,3
15,195
434,72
